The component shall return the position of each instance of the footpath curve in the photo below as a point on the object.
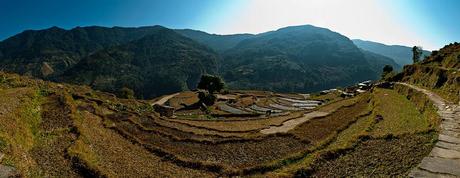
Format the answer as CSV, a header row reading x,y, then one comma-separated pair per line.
x,y
444,159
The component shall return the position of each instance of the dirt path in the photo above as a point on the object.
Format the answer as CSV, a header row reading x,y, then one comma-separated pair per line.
x,y
444,159
164,99
290,124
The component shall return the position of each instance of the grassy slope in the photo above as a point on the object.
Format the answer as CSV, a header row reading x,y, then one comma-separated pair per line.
x,y
89,142
440,73
409,127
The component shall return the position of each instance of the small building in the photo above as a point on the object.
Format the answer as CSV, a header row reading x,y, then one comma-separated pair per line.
x,y
166,111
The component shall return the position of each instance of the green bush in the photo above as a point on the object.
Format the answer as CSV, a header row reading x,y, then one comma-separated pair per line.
x,y
211,83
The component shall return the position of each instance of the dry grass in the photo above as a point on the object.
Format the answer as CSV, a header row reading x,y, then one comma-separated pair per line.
x,y
114,156
318,129
400,116
238,126
187,98
20,115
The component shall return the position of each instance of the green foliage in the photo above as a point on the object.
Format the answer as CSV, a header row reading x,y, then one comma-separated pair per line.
x,y
211,83
154,65
416,53
297,59
126,93
402,55
3,144
386,70
207,98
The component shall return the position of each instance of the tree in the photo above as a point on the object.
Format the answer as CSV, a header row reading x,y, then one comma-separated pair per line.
x,y
416,53
211,83
126,93
386,70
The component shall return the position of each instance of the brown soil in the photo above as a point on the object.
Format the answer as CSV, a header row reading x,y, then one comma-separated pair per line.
x,y
393,157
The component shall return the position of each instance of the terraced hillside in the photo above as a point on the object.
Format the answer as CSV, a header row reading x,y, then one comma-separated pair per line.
x,y
55,130
440,73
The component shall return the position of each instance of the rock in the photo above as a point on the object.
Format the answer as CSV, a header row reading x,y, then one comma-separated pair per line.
x,y
164,110
449,139
451,133
445,153
449,146
8,171
46,69
422,173
441,165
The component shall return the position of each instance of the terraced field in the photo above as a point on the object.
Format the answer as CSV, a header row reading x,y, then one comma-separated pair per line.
x,y
74,131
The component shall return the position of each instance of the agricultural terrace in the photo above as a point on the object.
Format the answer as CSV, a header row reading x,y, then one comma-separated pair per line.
x,y
245,133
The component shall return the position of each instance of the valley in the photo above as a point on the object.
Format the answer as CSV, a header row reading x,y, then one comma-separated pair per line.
x,y
300,101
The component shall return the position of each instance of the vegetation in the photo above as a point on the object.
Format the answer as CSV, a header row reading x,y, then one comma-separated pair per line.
x,y
402,55
153,61
81,132
439,73
416,53
386,70
211,83
282,61
400,116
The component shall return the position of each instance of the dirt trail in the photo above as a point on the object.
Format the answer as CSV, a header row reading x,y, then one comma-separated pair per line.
x,y
164,99
444,159
290,124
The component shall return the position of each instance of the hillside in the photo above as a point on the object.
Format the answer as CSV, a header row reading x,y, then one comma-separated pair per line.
x,y
219,43
155,60
299,58
400,54
377,61
49,52
60,130
440,72
157,64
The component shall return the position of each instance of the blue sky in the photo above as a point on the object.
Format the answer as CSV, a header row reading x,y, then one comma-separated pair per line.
x,y
429,23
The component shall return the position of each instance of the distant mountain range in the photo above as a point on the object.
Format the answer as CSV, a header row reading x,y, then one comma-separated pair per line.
x,y
299,58
156,60
400,54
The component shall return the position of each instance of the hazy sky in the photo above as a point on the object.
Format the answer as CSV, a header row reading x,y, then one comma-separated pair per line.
x,y
429,23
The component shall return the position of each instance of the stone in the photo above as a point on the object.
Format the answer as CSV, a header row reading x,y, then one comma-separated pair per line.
x,y
450,146
445,153
450,133
164,110
449,139
8,171
441,165
422,173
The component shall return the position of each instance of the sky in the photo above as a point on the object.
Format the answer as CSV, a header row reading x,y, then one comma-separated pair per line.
x,y
427,23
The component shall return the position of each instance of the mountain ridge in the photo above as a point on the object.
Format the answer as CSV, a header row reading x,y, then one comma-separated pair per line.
x,y
244,60
401,54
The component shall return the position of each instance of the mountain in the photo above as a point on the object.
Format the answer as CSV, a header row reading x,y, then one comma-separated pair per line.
x,y
49,52
219,43
440,72
155,60
298,59
401,54
157,64
377,61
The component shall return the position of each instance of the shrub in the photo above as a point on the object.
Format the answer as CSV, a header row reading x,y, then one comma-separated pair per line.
x,y
126,93
211,83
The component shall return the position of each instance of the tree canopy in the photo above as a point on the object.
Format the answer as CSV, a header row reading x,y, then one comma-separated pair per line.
x,y
211,83
416,53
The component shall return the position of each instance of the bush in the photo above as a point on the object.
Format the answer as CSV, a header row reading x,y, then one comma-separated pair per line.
x,y
126,93
211,83
207,98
